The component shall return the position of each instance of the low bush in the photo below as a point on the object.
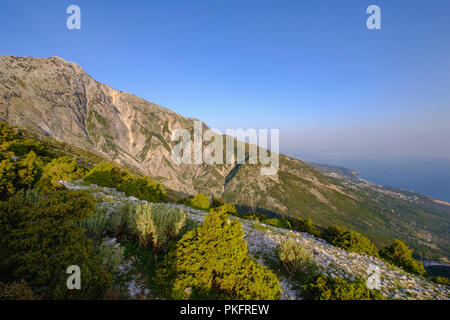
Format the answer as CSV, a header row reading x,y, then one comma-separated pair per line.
x,y
107,174
200,201
350,240
63,168
96,225
401,256
441,280
304,225
279,223
211,262
39,241
112,256
297,261
17,175
217,202
143,188
16,291
157,224
327,288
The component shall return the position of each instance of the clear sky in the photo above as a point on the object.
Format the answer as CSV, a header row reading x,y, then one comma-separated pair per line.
x,y
310,68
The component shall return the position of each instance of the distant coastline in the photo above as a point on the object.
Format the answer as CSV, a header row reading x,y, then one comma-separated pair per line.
x,y
428,176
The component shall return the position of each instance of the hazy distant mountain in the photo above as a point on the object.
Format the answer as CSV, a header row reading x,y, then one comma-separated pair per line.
x,y
56,98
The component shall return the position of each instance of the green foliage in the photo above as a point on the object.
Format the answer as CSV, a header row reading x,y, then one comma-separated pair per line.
x,y
279,223
297,261
441,280
96,225
255,216
327,288
157,224
29,171
400,255
22,174
107,174
63,168
217,202
13,143
7,133
7,179
304,225
350,240
143,188
200,201
228,208
39,240
112,256
16,291
211,262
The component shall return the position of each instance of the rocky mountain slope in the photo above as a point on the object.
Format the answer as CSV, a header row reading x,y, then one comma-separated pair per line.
x,y
262,241
55,98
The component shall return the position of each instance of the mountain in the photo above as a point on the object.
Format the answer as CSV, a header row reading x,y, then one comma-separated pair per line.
x,y
55,98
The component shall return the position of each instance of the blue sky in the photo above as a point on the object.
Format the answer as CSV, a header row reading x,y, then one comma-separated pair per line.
x,y
310,68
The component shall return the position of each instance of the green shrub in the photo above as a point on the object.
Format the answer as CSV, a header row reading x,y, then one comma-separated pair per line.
x,y
211,262
217,202
228,208
39,241
112,256
441,280
200,201
7,178
304,225
350,240
22,174
63,168
279,223
157,224
143,188
29,171
255,216
96,225
400,255
327,288
107,174
16,291
121,222
7,133
297,261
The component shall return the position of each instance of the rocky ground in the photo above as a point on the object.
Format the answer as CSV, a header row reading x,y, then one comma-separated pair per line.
x,y
262,241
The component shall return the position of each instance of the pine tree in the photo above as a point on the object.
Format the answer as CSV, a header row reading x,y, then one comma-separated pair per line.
x,y
211,262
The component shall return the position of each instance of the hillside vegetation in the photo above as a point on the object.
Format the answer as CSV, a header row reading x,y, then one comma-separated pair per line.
x,y
131,241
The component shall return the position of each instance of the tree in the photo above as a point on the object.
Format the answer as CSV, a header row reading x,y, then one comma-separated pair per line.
x,y
400,255
211,262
